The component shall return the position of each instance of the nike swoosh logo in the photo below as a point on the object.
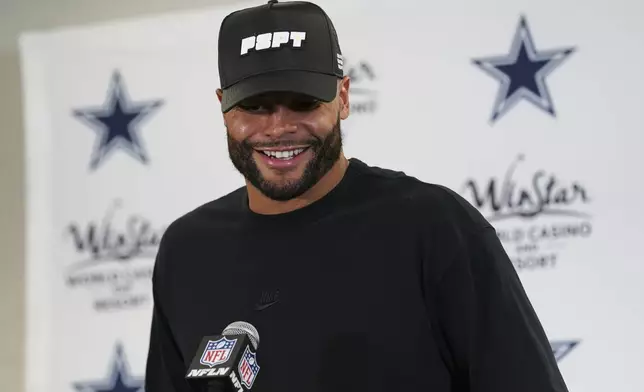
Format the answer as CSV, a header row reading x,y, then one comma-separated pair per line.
x,y
261,307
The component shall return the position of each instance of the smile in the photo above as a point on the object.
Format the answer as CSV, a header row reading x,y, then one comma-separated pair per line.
x,y
284,154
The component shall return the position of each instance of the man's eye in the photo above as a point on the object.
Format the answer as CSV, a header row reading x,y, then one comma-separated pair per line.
x,y
295,105
251,107
305,106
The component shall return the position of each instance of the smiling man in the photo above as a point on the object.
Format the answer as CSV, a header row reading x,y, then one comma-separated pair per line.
x,y
288,145
358,278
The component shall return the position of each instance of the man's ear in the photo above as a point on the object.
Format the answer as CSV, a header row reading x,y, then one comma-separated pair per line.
x,y
219,94
343,96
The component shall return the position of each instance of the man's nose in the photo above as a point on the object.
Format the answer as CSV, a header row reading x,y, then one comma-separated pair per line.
x,y
282,122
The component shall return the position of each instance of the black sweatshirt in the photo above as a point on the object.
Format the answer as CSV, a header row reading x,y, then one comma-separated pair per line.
x,y
385,284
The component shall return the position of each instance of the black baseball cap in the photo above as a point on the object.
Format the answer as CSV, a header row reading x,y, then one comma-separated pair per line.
x,y
278,47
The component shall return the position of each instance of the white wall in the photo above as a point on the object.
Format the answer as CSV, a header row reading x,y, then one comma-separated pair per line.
x,y
27,15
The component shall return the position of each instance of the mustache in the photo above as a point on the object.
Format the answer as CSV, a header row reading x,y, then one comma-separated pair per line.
x,y
282,143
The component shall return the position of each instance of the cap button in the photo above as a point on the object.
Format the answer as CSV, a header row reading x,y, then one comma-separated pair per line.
x,y
270,2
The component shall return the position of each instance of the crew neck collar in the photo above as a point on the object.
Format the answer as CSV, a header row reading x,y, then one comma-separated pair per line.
x,y
311,212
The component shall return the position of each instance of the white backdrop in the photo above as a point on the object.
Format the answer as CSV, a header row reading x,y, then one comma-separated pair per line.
x,y
124,134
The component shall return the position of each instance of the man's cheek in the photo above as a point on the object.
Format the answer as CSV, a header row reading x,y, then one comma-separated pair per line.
x,y
320,127
241,126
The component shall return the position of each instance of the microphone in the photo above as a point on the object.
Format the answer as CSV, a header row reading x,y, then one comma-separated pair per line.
x,y
226,362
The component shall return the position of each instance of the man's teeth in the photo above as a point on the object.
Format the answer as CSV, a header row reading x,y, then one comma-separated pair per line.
x,y
289,154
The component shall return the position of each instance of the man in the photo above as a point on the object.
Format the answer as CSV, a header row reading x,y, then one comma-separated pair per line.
x,y
357,278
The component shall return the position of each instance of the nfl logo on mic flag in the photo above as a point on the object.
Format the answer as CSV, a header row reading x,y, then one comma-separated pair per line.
x,y
248,368
217,351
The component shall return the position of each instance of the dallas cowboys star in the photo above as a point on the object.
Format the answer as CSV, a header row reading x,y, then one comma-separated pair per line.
x,y
116,122
522,72
119,380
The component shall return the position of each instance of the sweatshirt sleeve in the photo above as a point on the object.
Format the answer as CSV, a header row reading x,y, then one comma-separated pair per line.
x,y
491,332
165,368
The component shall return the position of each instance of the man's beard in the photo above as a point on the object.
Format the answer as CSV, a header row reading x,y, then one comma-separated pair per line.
x,y
326,153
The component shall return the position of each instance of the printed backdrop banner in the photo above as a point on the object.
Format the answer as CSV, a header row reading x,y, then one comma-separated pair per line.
x,y
530,110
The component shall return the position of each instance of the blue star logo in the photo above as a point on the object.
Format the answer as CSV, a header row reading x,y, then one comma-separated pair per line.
x,y
522,73
561,348
119,379
116,123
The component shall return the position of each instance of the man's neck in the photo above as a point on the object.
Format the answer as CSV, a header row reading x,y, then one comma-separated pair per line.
x,y
261,204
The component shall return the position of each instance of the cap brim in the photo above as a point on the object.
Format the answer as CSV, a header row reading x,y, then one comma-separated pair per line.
x,y
319,86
